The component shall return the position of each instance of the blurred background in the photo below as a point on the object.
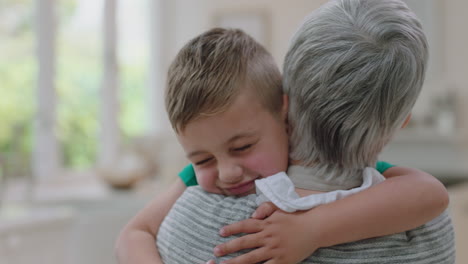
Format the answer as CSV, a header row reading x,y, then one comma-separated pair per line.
x,y
84,139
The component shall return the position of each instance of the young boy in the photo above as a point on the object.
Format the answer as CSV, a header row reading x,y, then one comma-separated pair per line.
x,y
236,137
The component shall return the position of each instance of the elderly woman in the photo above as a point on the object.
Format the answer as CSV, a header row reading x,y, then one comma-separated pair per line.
x,y
352,73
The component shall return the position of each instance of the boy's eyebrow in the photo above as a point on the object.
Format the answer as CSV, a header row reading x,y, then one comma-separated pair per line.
x,y
194,153
232,139
241,135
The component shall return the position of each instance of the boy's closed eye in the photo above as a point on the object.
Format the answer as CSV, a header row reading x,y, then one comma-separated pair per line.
x,y
236,150
202,162
242,148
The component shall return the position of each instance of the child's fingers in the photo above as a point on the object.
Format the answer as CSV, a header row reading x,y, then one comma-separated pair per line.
x,y
264,210
245,226
255,256
244,242
272,261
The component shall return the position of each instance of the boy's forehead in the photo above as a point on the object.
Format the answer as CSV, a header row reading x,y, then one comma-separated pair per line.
x,y
241,119
245,94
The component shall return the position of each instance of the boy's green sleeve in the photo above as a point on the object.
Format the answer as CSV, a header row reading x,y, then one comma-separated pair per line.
x,y
187,175
382,166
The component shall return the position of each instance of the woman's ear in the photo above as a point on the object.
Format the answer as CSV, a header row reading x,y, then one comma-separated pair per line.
x,y
408,118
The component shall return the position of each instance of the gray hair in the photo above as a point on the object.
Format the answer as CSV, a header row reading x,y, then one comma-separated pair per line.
x,y
353,72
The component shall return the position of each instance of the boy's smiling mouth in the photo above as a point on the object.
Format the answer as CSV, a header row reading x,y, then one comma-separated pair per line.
x,y
242,189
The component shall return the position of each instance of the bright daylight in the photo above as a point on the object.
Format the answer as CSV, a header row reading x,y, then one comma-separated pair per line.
x,y
108,106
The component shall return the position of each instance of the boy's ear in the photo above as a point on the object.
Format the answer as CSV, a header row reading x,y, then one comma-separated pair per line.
x,y
284,108
408,118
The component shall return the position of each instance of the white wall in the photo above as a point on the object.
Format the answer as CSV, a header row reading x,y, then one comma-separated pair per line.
x,y
190,18
456,43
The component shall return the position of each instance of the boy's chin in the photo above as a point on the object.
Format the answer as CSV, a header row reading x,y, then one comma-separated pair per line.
x,y
247,193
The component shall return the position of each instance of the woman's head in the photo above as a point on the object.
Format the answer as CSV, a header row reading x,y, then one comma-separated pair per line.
x,y
353,72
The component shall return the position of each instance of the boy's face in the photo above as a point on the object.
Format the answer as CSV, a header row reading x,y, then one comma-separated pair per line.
x,y
232,149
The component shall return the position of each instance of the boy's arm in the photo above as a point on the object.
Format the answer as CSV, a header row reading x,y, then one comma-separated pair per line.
x,y
136,242
407,199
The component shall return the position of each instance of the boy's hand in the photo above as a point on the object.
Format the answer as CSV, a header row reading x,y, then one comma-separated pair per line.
x,y
264,210
280,238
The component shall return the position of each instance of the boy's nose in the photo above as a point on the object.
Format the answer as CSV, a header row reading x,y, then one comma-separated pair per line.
x,y
230,173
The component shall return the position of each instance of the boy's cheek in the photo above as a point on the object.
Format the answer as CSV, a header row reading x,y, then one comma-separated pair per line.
x,y
207,180
267,165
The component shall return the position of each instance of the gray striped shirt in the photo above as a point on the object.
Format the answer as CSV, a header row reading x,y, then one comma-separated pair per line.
x,y
189,233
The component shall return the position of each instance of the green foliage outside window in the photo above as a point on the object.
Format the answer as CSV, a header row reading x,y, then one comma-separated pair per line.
x,y
78,80
17,77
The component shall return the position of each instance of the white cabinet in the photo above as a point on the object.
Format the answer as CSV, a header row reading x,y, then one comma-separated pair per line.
x,y
442,156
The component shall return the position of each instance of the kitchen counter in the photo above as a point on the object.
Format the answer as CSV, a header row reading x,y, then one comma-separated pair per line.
x,y
442,156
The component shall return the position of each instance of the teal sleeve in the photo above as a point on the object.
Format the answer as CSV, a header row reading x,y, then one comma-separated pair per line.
x,y
382,166
187,175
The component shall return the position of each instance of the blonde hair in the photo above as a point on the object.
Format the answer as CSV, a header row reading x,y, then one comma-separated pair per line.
x,y
210,71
